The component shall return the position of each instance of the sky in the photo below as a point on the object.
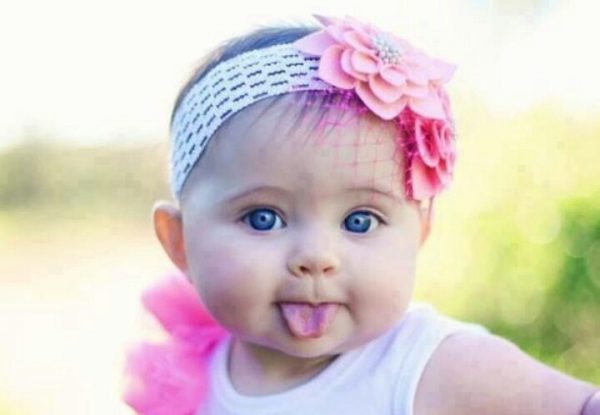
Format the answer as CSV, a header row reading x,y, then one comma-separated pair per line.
x,y
98,72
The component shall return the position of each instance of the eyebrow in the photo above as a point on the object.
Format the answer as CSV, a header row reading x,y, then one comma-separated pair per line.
x,y
381,192
236,196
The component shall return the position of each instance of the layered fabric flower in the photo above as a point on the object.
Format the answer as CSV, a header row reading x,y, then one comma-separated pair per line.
x,y
386,72
396,82
172,378
430,152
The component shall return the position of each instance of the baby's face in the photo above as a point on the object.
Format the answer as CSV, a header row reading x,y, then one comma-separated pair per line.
x,y
302,245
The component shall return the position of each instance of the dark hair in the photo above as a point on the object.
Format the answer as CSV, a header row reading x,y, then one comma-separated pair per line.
x,y
258,39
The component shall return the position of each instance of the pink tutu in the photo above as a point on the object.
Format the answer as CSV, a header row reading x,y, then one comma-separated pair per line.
x,y
172,378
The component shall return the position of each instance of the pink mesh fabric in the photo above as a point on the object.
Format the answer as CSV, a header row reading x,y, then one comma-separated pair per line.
x,y
424,148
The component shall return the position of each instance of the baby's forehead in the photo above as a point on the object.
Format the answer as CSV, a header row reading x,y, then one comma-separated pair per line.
x,y
302,120
261,148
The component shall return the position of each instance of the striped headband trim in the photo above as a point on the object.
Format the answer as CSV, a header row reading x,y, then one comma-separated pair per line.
x,y
230,87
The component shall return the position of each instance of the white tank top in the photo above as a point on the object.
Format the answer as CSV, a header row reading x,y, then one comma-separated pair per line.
x,y
378,378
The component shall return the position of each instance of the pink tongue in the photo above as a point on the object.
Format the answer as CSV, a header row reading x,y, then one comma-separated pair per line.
x,y
305,320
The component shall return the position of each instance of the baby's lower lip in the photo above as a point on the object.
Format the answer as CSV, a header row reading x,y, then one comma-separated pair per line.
x,y
306,320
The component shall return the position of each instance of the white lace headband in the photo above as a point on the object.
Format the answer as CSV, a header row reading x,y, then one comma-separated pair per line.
x,y
393,79
229,88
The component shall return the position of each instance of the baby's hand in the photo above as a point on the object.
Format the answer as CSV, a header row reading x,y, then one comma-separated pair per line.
x,y
486,374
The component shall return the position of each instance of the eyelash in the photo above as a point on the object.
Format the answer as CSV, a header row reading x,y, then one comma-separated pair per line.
x,y
245,217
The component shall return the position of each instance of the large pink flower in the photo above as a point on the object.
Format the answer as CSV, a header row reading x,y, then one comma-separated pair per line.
x,y
386,72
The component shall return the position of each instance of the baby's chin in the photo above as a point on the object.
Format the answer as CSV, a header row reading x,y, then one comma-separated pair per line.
x,y
305,350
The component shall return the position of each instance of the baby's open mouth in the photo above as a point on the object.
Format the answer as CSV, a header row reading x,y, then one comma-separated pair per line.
x,y
306,320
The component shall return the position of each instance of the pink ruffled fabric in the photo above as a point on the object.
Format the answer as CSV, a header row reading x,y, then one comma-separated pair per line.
x,y
396,82
172,378
387,73
430,151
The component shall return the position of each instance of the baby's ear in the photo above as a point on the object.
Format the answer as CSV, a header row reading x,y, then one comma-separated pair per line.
x,y
168,227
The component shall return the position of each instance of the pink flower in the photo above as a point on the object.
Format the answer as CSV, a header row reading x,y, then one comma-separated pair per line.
x,y
386,72
430,152
432,166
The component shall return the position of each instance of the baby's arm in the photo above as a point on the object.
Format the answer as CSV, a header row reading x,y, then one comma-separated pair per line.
x,y
485,374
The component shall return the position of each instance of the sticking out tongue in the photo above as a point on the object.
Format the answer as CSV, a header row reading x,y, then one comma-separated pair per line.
x,y
307,320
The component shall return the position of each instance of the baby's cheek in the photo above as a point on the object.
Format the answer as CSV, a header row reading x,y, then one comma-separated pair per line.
x,y
228,305
385,298
232,286
384,288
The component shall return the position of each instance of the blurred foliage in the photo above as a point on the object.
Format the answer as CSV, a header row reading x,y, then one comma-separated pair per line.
x,y
544,297
46,179
516,241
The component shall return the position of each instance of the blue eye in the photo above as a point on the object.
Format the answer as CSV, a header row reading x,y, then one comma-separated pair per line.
x,y
263,219
361,222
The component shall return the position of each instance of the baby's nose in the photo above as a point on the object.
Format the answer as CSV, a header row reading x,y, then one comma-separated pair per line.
x,y
313,257
314,265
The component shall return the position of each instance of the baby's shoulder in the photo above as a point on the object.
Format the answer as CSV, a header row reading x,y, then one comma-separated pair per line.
x,y
477,372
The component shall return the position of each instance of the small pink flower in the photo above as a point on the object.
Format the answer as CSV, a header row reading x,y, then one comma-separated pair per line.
x,y
432,166
431,152
386,72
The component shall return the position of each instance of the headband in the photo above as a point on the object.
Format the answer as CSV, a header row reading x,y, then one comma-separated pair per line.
x,y
394,80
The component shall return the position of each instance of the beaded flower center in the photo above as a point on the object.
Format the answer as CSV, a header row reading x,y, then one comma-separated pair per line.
x,y
387,51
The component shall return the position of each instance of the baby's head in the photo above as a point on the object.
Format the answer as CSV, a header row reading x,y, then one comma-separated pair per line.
x,y
304,181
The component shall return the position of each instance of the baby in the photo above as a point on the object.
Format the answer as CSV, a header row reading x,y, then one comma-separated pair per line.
x,y
305,163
